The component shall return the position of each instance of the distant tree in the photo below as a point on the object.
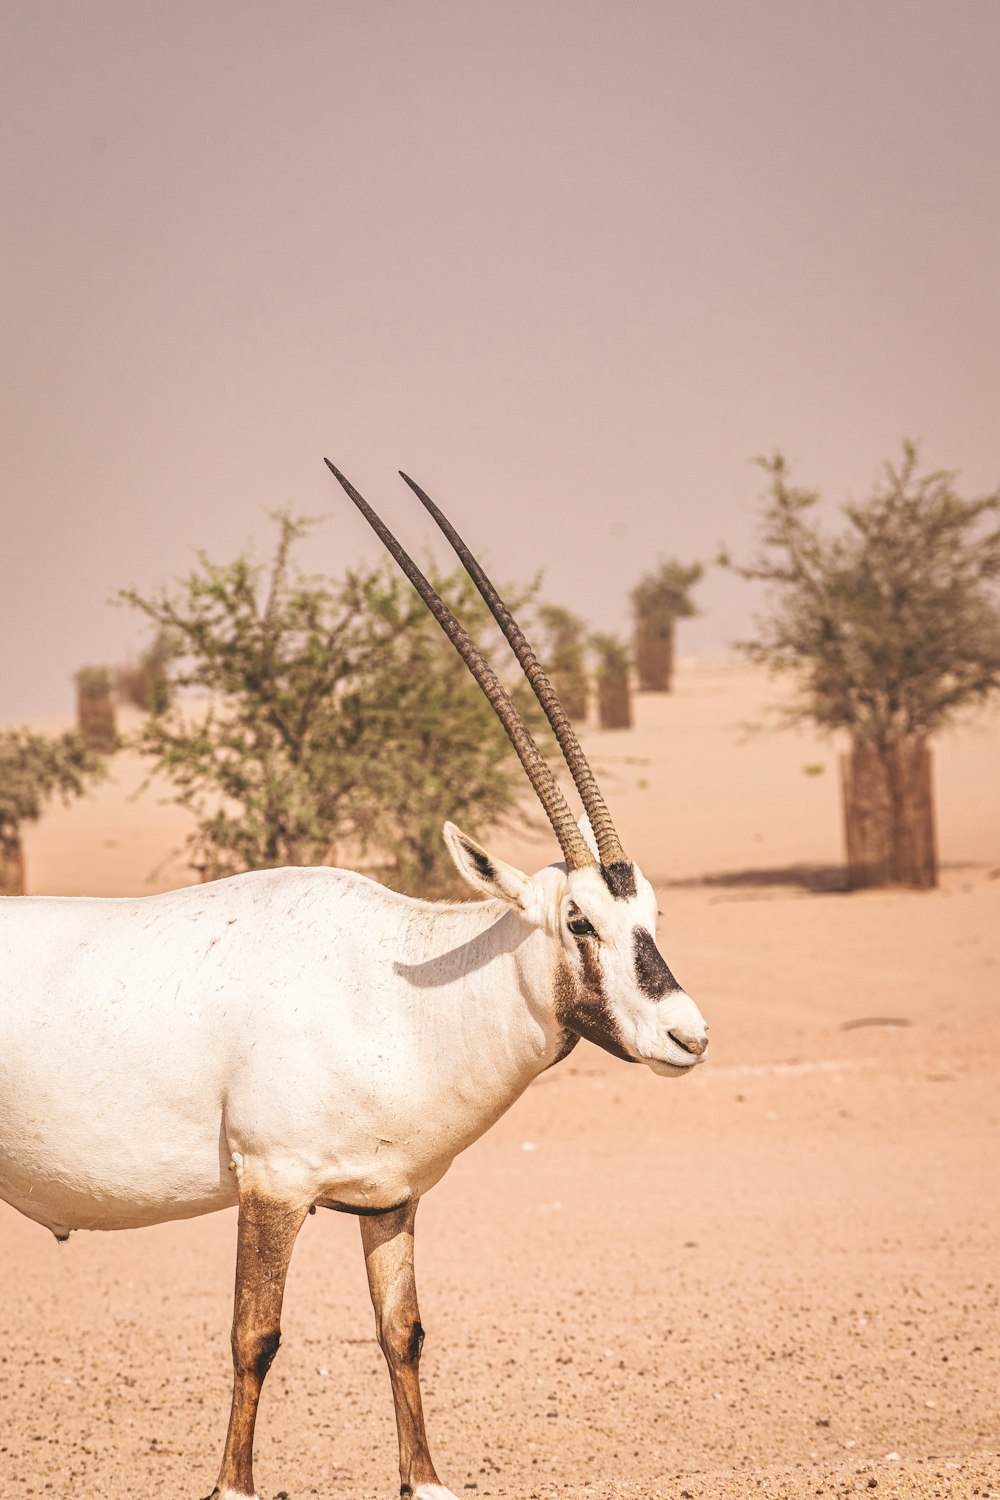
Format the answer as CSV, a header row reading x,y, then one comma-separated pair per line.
x,y
892,629
95,709
34,768
614,699
564,641
334,718
145,683
659,600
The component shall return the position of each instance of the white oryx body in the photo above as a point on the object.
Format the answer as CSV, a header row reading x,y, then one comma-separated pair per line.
x,y
301,1038
333,1034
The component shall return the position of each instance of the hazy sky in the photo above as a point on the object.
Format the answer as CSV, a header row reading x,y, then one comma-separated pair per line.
x,y
569,264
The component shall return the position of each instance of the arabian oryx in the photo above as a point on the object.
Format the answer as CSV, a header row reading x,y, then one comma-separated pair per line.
x,y
299,1038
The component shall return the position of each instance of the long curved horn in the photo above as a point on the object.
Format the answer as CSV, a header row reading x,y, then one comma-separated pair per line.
x,y
571,841
608,842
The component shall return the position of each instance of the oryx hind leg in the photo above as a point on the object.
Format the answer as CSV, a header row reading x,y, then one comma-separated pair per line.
x,y
388,1245
266,1234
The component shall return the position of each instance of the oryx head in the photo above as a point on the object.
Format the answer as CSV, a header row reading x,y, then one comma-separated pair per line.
x,y
611,983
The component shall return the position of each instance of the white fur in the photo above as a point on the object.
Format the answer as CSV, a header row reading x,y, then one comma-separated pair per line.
x,y
305,1030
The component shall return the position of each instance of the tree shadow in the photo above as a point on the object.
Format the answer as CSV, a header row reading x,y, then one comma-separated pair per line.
x,y
814,879
804,879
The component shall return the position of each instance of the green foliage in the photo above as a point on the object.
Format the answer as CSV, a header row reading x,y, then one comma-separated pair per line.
x,y
564,636
34,768
564,641
145,684
614,702
893,626
334,718
613,658
661,597
95,711
93,682
434,748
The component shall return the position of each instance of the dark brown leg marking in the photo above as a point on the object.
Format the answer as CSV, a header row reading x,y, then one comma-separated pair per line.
x,y
388,1245
267,1231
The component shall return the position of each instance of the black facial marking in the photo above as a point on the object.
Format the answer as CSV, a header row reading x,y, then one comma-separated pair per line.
x,y
597,1025
581,1006
651,972
567,1042
620,879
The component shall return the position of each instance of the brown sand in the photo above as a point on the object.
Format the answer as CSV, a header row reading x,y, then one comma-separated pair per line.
x,y
779,1277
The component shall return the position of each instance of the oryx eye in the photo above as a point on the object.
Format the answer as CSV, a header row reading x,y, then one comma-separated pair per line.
x,y
580,927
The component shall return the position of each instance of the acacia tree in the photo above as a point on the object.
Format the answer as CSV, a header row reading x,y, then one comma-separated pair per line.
x,y
659,600
892,629
144,683
333,718
564,639
34,768
614,701
95,709
434,749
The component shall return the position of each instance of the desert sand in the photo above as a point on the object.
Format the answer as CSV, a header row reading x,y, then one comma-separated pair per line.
x,y
778,1277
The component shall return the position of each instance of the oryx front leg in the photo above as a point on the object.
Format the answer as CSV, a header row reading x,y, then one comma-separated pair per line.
x,y
267,1230
388,1243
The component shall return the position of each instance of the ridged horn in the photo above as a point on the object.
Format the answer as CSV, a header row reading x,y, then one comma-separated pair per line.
x,y
608,843
571,841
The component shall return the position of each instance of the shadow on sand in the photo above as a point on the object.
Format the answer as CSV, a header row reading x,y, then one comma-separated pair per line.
x,y
751,883
803,879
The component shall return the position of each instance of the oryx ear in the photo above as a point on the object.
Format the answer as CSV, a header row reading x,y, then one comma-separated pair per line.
x,y
491,877
589,839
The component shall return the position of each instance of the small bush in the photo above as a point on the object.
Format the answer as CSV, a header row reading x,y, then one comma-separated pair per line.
x,y
95,709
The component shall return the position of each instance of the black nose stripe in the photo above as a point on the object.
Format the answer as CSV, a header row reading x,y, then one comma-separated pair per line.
x,y
651,972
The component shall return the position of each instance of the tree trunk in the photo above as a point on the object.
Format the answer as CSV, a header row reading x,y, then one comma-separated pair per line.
x,y
11,868
571,688
654,656
614,703
889,815
95,717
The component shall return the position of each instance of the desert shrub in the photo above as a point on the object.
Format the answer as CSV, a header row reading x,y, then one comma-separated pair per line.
x,y
659,600
145,683
34,768
339,720
563,653
95,709
614,699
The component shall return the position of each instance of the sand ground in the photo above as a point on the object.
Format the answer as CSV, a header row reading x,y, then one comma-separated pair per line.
x,y
779,1277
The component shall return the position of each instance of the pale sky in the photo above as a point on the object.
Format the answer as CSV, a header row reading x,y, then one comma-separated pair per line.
x,y
571,265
